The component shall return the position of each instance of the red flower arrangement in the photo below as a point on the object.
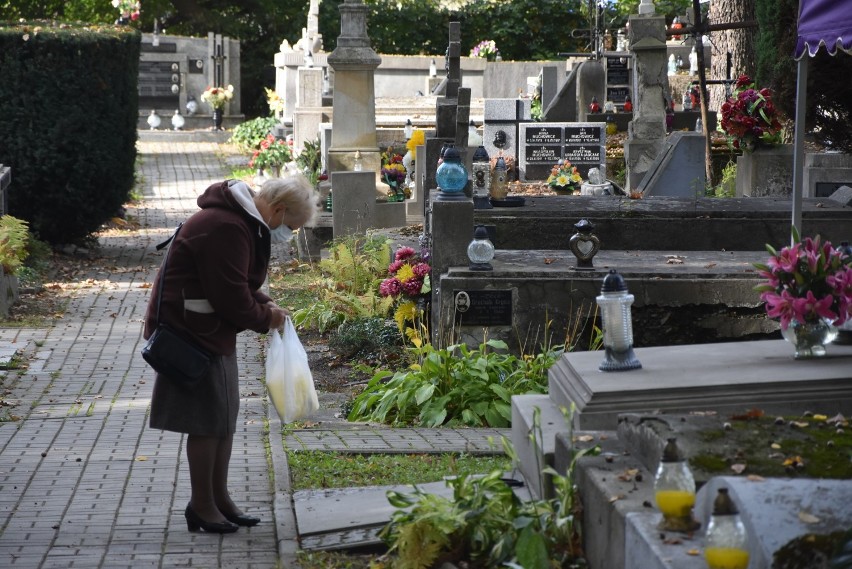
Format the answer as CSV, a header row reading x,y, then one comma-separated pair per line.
x,y
409,275
750,117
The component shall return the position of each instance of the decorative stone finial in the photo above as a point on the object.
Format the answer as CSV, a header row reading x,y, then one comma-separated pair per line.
x,y
646,8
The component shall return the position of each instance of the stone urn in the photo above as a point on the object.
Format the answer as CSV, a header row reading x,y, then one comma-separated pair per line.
x,y
766,172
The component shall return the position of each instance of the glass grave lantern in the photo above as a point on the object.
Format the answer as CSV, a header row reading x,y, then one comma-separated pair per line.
x,y
451,176
177,120
674,490
614,302
481,171
480,251
726,542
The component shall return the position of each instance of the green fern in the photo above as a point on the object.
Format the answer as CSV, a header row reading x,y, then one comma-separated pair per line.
x,y
14,236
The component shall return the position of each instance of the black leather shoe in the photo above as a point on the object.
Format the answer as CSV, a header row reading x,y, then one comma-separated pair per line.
x,y
194,523
242,519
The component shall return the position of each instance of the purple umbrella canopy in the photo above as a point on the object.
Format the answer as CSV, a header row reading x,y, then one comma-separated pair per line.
x,y
824,22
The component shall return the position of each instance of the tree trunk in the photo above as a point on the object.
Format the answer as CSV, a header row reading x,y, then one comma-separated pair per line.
x,y
739,43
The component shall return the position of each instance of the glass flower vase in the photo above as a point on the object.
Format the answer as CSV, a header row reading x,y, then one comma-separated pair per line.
x,y
809,338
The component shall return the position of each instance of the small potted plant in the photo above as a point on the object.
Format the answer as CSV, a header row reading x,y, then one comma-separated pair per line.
x,y
564,179
272,155
808,289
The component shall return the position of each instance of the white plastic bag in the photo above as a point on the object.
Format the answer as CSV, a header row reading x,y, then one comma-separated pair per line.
x,y
288,377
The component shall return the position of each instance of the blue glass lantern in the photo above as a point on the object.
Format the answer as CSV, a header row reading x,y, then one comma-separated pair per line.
x,y
451,176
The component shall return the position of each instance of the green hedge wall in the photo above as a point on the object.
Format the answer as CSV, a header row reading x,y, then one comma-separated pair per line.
x,y
68,112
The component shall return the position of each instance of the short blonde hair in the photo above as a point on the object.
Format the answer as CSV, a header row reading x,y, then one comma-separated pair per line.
x,y
295,192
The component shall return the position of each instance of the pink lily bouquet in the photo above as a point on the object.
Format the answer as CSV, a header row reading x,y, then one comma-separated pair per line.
x,y
807,281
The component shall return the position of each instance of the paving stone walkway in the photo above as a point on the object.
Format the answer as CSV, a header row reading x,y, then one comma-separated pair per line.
x,y
83,481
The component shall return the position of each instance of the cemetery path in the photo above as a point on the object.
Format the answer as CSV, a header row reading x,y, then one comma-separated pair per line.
x,y
83,481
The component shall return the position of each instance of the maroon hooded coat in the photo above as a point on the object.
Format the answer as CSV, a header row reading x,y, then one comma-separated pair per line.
x,y
221,254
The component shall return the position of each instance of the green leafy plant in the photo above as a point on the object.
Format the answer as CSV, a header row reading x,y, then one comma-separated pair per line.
x,y
309,160
249,134
727,188
349,286
456,385
371,338
485,524
14,238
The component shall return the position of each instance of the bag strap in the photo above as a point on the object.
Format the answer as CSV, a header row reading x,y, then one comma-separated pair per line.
x,y
160,246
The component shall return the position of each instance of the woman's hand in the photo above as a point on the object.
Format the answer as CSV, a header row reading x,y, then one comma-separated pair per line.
x,y
278,316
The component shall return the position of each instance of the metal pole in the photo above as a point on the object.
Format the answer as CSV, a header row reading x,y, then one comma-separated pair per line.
x,y
799,141
702,82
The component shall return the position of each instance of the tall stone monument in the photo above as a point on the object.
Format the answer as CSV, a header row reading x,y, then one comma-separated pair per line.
x,y
647,131
354,108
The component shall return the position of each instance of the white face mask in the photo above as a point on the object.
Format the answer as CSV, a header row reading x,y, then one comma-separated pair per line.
x,y
281,234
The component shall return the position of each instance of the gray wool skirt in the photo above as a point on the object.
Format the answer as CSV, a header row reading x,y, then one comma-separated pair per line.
x,y
206,408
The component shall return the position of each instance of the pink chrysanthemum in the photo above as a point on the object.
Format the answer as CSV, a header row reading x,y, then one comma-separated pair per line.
x,y
412,287
390,287
404,253
422,269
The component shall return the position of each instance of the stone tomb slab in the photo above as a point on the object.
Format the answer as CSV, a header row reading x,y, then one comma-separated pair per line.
x,y
725,377
775,512
542,145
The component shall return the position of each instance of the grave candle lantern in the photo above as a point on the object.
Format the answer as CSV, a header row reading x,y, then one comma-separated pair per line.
x,y
674,490
615,302
499,183
154,119
408,130
451,176
481,166
177,120
726,543
480,251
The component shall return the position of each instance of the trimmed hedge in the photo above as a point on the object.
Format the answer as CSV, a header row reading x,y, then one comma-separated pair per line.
x,y
69,107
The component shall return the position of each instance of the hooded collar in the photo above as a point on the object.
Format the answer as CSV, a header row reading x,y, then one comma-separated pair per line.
x,y
245,198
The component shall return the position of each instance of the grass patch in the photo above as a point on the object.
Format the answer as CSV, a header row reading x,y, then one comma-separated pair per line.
x,y
322,469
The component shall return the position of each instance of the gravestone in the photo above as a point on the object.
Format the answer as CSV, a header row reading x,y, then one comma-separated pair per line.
x,y
500,126
561,105
542,145
354,63
825,172
679,170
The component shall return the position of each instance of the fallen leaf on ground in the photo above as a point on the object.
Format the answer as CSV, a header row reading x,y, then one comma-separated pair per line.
x,y
755,478
628,474
693,552
548,260
807,518
748,415
584,438
141,458
616,498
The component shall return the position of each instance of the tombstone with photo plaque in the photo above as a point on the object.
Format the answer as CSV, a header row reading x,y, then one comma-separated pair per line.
x,y
543,145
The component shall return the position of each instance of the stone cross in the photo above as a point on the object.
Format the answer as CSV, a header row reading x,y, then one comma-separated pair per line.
x,y
446,106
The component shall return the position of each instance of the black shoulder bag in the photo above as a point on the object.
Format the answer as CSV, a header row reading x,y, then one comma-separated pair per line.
x,y
166,351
